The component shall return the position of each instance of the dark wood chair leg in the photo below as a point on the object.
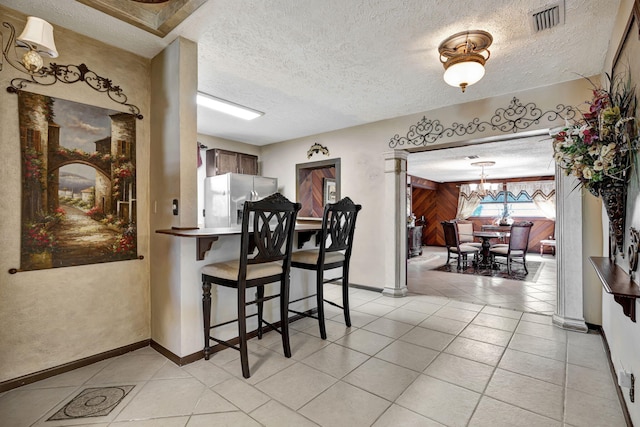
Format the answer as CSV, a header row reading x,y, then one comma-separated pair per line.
x,y
260,304
284,317
242,331
524,262
206,312
320,300
345,295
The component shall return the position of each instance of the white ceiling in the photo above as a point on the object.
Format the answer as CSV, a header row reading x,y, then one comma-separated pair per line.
x,y
454,164
319,65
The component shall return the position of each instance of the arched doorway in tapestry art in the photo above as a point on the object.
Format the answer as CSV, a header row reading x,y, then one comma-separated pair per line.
x,y
78,179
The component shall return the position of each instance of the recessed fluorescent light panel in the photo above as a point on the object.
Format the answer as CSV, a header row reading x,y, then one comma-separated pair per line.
x,y
227,107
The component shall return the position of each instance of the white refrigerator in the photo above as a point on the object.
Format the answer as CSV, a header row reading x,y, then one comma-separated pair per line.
x,y
224,197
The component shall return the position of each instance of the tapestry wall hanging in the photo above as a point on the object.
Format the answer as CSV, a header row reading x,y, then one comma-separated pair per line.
x,y
78,183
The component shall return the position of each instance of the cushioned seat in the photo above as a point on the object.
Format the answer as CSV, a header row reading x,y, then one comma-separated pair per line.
x,y
311,257
229,270
265,257
336,241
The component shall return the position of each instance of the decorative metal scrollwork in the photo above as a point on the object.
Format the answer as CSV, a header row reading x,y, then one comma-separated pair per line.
x,y
516,117
633,252
317,148
72,74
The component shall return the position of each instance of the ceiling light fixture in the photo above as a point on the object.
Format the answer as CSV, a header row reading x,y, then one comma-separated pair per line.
x,y
463,56
37,37
484,186
227,107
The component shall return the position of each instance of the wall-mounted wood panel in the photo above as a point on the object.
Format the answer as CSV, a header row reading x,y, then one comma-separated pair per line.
x,y
441,205
311,190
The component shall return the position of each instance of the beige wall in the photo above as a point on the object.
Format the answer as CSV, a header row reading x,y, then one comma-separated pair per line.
x,y
361,150
56,316
174,304
622,334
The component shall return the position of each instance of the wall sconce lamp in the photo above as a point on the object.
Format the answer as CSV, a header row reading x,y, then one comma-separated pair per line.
x,y
463,56
37,38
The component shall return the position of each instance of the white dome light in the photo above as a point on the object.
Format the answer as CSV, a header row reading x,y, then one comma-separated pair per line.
x,y
463,56
464,74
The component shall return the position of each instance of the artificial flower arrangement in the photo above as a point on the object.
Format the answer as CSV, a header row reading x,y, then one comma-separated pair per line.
x,y
600,148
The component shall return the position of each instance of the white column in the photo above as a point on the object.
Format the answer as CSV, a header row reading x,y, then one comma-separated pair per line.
x,y
569,308
395,223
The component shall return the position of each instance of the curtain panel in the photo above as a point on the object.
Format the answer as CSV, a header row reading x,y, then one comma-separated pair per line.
x,y
542,193
468,201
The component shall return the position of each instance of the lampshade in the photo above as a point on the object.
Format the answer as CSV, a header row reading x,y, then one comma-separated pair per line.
x,y
38,35
464,74
463,56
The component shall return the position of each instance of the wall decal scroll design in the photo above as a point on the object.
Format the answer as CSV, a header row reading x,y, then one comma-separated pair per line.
x,y
72,74
634,247
516,117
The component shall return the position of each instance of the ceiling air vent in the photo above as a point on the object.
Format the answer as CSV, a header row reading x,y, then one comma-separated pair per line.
x,y
548,17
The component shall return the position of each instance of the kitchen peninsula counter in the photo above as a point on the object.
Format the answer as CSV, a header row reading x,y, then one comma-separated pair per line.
x,y
206,237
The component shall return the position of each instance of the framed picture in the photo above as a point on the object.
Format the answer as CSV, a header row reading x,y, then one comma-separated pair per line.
x,y
329,190
78,183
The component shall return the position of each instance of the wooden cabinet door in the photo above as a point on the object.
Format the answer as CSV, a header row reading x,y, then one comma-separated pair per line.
x,y
226,161
222,161
248,164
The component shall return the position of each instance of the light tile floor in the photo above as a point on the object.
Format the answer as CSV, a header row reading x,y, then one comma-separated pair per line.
x,y
536,294
413,361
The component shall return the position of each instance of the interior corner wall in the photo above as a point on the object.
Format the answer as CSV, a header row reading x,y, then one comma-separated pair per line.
x,y
61,315
623,335
174,305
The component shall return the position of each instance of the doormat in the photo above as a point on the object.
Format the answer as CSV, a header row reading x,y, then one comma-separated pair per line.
x,y
517,271
92,402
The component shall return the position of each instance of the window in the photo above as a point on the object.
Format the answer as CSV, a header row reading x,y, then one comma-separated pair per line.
x,y
493,205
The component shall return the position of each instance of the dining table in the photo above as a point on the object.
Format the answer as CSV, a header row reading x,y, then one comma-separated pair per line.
x,y
486,237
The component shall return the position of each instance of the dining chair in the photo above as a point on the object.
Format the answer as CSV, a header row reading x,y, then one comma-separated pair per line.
x,y
265,257
335,245
516,250
455,247
465,233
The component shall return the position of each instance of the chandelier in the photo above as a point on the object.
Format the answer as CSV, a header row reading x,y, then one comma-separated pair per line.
x,y
484,187
463,56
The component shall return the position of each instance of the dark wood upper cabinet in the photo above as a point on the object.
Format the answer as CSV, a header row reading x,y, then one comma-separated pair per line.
x,y
220,162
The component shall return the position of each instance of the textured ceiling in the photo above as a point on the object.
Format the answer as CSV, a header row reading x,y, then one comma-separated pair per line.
x,y
522,157
319,65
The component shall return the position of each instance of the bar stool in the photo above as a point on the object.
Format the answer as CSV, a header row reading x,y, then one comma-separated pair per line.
x,y
265,257
336,240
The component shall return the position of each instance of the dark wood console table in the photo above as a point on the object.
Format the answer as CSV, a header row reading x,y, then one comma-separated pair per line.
x,y
414,244
618,283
